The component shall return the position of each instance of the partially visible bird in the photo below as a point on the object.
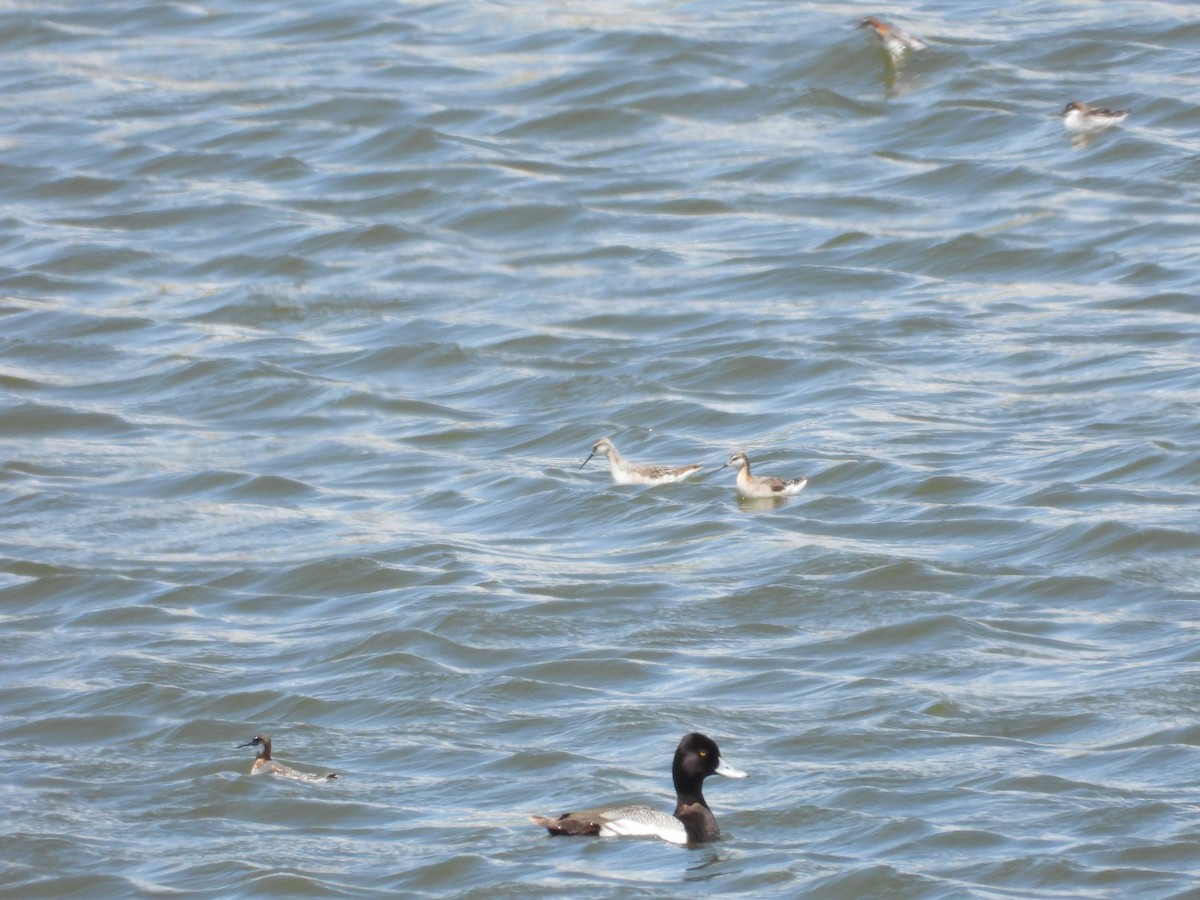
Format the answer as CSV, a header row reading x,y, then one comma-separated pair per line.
x,y
696,758
895,41
624,472
1078,116
264,765
762,487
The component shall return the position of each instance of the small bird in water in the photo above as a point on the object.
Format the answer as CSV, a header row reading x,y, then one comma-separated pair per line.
x,y
1078,116
696,758
895,41
756,487
632,473
264,765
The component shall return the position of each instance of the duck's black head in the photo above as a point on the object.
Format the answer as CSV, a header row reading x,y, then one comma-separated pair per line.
x,y
697,757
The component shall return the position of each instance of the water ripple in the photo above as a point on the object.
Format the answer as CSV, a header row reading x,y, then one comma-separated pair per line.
x,y
311,316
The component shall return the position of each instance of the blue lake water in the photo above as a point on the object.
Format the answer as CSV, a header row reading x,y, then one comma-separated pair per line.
x,y
311,313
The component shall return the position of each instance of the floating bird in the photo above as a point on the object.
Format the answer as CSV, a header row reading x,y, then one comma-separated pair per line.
x,y
696,758
756,487
1078,116
894,40
264,765
632,473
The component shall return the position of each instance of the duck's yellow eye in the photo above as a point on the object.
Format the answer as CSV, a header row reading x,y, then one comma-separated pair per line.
x,y
703,754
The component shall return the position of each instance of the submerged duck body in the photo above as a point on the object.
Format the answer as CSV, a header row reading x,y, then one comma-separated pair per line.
x,y
693,822
1078,116
624,472
264,765
762,487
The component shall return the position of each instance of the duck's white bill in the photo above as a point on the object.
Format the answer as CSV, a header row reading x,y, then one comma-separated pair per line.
x,y
723,768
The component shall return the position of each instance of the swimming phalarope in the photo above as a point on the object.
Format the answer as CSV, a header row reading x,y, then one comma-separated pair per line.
x,y
631,473
894,40
758,487
264,765
696,758
1078,116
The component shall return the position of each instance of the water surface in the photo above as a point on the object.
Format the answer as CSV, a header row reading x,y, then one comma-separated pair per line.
x,y
312,314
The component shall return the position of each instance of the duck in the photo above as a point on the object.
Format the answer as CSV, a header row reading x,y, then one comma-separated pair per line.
x,y
765,486
624,472
692,822
264,765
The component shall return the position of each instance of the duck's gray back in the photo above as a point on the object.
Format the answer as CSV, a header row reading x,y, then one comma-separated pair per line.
x,y
641,820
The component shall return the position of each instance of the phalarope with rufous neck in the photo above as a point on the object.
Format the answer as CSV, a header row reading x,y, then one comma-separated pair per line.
x,y
264,765
632,473
761,487
895,41
1078,116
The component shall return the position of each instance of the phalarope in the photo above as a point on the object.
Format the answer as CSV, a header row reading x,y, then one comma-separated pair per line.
x,y
632,473
894,40
758,487
1078,116
264,765
696,758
